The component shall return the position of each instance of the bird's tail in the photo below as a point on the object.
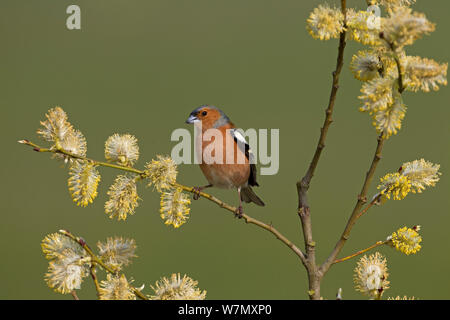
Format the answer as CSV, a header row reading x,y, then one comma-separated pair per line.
x,y
248,195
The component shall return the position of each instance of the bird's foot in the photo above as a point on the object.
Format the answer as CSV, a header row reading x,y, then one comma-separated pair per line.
x,y
239,212
197,191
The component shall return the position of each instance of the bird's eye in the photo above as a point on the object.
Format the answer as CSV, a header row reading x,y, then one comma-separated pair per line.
x,y
204,113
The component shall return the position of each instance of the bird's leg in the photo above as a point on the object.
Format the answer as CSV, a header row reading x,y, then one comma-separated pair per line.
x,y
197,191
240,210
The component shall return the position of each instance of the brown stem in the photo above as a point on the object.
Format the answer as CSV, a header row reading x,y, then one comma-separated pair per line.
x,y
356,211
370,205
356,214
303,184
94,278
401,88
248,219
74,295
97,260
391,45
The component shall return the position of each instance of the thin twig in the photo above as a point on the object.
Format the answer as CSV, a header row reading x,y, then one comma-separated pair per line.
x,y
391,45
74,295
94,278
97,260
303,184
37,148
142,174
370,205
356,211
401,88
139,294
376,244
248,219
362,197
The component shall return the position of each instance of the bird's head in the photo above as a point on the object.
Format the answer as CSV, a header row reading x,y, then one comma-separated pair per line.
x,y
209,116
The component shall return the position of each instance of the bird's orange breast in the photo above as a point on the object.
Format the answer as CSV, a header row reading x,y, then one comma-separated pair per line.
x,y
226,175
222,162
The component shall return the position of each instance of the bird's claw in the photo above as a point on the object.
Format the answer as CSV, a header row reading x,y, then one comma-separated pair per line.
x,y
196,191
239,212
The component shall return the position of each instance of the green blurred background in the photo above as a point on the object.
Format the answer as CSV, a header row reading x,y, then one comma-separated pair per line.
x,y
141,67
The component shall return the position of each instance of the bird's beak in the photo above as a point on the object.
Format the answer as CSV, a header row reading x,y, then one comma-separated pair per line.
x,y
192,119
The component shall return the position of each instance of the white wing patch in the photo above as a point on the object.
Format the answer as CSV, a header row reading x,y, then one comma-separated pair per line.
x,y
238,136
242,144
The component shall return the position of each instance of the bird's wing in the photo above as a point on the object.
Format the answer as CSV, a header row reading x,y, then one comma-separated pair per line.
x,y
245,147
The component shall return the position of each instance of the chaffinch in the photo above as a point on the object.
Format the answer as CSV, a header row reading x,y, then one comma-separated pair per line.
x,y
220,172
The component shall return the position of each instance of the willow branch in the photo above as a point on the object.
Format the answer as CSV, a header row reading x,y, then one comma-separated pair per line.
x,y
356,213
94,278
97,260
376,244
370,205
304,183
142,174
37,148
248,219
74,295
362,197
401,87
